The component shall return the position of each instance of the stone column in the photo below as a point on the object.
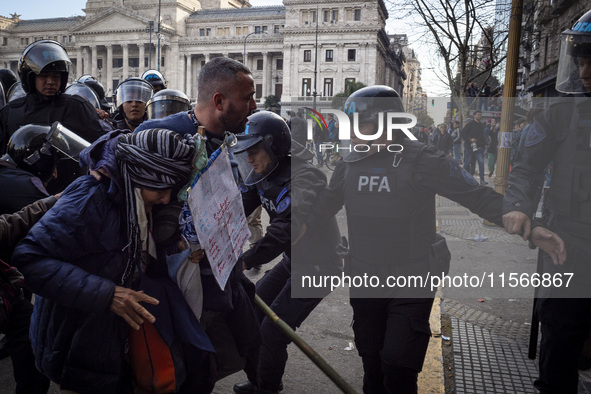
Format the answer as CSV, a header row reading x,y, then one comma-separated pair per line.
x,y
142,55
125,62
189,75
93,68
339,82
79,62
267,74
109,67
86,57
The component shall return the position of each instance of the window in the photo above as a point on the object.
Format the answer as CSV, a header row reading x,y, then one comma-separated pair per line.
x,y
351,55
220,31
4,41
349,81
146,62
306,87
117,62
279,64
162,61
328,86
257,29
238,30
334,15
205,32
115,84
278,89
276,29
99,63
308,17
24,41
329,54
308,55
258,91
326,16
133,62
357,15
259,64
64,39
264,28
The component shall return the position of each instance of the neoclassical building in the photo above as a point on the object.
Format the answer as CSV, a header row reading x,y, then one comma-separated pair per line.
x,y
293,50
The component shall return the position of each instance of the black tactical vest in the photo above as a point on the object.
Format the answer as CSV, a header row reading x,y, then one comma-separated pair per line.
x,y
390,221
570,191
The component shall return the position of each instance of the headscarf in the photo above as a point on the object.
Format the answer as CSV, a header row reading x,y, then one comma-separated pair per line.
x,y
154,159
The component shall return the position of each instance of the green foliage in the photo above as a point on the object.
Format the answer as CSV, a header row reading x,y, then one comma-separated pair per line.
x,y
338,100
272,104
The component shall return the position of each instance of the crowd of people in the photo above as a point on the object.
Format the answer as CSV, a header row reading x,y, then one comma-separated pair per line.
x,y
106,287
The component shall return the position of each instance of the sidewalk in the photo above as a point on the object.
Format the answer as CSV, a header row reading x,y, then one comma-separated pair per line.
x,y
490,335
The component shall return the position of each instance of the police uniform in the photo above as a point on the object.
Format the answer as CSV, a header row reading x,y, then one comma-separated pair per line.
x,y
20,188
74,112
288,192
562,134
389,200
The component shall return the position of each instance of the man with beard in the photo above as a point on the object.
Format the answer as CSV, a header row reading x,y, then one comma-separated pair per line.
x,y
225,99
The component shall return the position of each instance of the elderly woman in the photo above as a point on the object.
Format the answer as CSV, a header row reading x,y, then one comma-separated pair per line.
x,y
83,258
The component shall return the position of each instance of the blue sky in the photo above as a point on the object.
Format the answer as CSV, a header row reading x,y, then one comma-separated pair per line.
x,y
38,9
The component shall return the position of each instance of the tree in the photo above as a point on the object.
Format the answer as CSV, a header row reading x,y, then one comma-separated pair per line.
x,y
462,36
272,103
338,100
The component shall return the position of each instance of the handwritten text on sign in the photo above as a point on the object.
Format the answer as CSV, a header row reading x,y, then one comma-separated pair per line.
x,y
218,215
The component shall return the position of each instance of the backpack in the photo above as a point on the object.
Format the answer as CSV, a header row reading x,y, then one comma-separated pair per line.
x,y
11,284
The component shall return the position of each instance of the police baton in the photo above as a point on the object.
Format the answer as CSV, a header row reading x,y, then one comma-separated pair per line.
x,y
535,323
304,347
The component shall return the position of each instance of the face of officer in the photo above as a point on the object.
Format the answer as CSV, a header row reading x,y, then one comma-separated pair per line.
x,y
48,83
585,72
238,104
134,110
258,158
155,197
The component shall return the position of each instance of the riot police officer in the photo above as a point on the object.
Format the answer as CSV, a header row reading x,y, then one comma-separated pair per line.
x,y
43,70
31,162
132,96
388,189
286,187
561,134
167,102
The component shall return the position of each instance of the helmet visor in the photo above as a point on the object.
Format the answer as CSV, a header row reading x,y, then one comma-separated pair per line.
x,y
134,90
2,97
162,106
255,162
66,141
574,67
82,90
42,53
15,91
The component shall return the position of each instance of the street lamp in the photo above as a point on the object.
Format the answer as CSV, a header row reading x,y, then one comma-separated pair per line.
x,y
248,35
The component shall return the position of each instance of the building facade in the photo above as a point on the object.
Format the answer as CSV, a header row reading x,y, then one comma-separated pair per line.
x,y
293,50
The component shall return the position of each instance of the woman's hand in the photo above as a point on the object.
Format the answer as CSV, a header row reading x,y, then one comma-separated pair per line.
x,y
126,303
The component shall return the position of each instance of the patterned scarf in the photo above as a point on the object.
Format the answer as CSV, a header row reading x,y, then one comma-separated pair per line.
x,y
154,159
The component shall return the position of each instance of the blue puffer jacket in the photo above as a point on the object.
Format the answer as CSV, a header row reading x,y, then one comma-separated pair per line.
x,y
72,259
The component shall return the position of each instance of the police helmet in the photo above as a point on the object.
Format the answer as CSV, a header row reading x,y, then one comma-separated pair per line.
x,y
133,89
370,101
34,148
7,78
264,130
167,102
43,55
98,88
2,97
82,90
155,78
575,47
16,91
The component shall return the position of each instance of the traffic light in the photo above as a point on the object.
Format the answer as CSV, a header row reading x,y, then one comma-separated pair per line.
x,y
432,102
